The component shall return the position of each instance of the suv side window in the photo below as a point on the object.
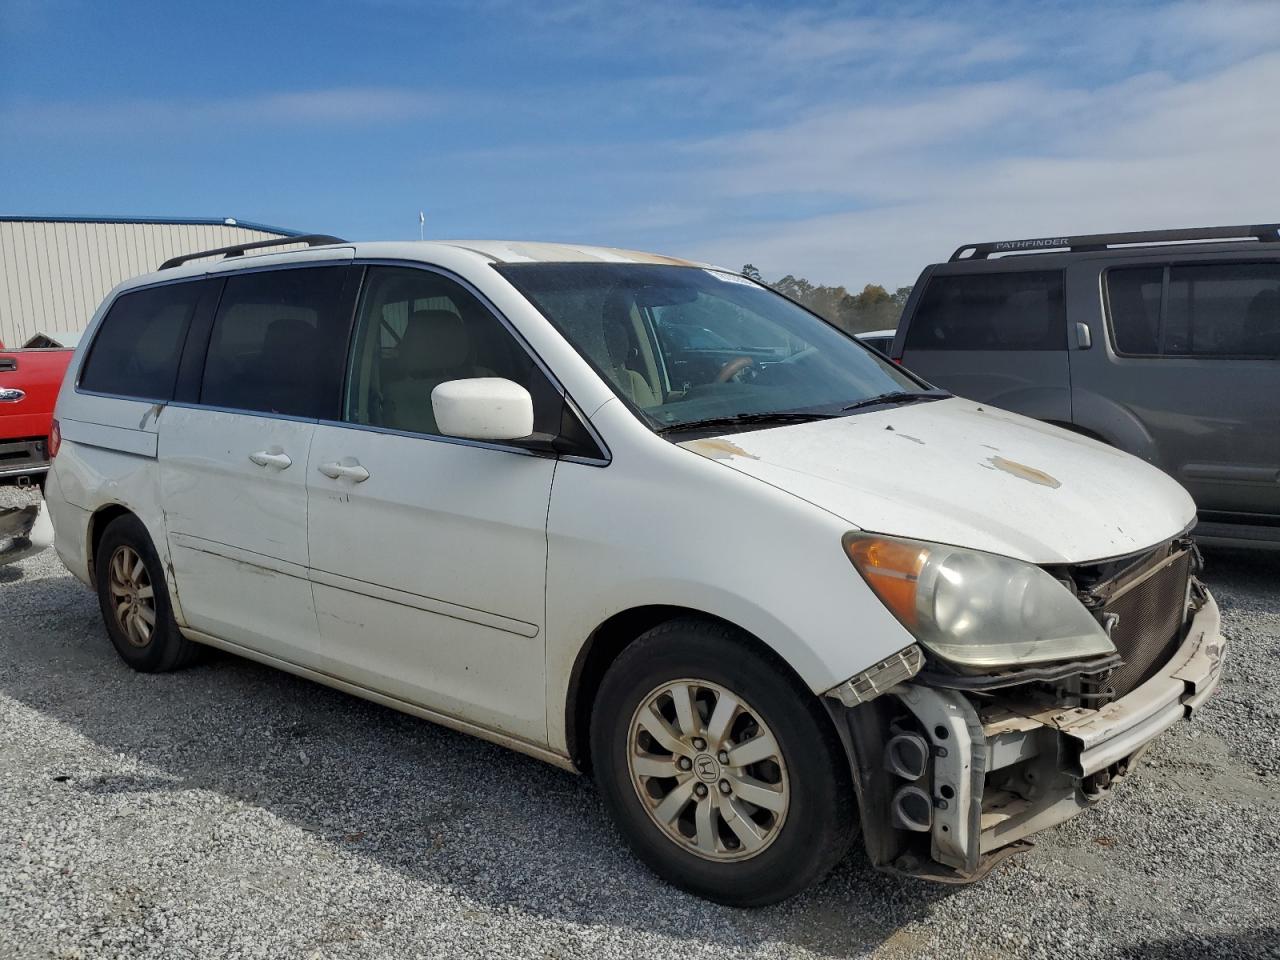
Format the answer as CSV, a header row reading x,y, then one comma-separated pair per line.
x,y
417,329
1133,300
1209,310
139,343
278,342
991,311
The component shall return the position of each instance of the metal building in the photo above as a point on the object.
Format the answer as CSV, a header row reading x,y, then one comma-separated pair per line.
x,y
54,271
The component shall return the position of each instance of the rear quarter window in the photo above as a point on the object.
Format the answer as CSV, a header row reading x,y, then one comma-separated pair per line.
x,y
136,350
1196,310
991,311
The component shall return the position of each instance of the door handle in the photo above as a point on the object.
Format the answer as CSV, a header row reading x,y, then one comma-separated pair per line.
x,y
266,458
347,469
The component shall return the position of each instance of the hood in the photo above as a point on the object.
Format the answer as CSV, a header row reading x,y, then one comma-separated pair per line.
x,y
953,471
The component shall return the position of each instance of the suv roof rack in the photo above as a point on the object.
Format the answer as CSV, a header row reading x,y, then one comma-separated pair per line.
x,y
237,250
1265,233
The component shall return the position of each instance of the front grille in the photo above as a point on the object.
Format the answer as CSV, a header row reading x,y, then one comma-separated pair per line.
x,y
1149,630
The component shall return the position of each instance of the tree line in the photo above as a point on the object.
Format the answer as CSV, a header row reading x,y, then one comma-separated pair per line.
x,y
875,308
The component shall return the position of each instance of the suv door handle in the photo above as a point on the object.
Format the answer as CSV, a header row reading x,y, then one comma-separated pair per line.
x,y
265,458
339,470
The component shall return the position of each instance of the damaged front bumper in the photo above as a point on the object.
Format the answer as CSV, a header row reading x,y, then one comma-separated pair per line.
x,y
950,782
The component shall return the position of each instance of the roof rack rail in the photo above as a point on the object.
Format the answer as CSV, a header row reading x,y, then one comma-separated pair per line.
x,y
238,250
1264,232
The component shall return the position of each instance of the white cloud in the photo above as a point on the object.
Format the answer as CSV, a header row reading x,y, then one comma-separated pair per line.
x,y
820,141
832,150
1144,153
334,106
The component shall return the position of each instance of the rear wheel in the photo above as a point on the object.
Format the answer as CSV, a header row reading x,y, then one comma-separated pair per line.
x,y
720,769
135,600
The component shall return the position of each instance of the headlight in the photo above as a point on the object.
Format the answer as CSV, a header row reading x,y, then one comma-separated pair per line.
x,y
976,609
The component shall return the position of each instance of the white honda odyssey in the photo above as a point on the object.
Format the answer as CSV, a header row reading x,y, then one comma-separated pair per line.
x,y
642,518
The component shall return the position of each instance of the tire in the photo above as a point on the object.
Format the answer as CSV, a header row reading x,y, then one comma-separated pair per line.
x,y
147,647
808,821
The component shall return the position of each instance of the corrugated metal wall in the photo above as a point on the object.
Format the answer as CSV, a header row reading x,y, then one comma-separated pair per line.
x,y
54,274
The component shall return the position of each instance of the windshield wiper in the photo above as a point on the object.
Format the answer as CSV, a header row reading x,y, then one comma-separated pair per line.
x,y
747,419
897,396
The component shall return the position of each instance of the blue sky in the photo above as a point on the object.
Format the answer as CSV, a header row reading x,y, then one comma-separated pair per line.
x,y
848,143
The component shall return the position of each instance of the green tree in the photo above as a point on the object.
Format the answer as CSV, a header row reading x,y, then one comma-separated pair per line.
x,y
750,272
873,308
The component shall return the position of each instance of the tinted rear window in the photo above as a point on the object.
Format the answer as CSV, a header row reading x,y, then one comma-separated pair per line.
x,y
991,311
139,343
1207,310
278,343
1133,299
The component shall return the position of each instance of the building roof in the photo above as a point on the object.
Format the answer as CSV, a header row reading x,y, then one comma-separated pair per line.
x,y
177,221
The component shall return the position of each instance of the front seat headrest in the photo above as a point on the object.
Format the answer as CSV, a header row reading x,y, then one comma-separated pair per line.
x,y
616,320
434,340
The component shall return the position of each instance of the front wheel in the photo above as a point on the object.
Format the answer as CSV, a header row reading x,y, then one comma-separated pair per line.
x,y
721,770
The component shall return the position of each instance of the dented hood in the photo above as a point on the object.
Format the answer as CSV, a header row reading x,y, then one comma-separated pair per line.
x,y
957,472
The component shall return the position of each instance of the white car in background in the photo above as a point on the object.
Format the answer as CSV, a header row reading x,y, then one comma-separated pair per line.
x,y
764,588
880,340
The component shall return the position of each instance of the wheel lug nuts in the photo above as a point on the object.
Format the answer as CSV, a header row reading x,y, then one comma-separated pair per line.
x,y
724,786
723,756
685,763
700,790
699,743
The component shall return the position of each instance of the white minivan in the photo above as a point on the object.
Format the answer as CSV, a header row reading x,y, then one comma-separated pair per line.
x,y
642,518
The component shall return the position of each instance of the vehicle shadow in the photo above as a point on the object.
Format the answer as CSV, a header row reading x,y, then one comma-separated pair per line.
x,y
1254,571
1261,943
440,808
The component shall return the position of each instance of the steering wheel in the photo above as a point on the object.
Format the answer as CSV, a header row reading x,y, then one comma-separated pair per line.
x,y
733,368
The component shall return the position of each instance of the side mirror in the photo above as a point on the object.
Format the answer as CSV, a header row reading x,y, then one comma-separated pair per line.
x,y
483,408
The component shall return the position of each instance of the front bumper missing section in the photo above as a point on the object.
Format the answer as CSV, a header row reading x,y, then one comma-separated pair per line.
x,y
1102,737
1003,769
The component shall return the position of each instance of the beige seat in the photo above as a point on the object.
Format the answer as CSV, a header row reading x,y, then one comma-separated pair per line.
x,y
435,349
617,343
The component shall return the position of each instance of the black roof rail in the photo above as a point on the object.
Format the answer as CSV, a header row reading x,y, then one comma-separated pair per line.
x,y
310,239
1264,232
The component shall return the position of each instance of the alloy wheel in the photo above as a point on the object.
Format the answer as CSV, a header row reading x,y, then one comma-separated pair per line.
x,y
132,596
708,770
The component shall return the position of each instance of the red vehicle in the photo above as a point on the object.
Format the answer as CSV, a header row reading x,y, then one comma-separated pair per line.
x,y
29,382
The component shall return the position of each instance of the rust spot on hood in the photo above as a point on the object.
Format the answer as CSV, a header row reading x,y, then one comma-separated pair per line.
x,y
717,448
1023,472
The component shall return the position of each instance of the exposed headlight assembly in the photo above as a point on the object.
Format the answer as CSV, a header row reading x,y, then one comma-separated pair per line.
x,y
976,610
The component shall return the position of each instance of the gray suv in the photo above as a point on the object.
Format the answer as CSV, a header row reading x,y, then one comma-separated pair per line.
x,y
1164,343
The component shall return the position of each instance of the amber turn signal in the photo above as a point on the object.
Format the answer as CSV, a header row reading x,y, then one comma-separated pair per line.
x,y
892,569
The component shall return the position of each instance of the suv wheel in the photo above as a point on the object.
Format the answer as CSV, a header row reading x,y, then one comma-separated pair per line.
x,y
723,773
135,600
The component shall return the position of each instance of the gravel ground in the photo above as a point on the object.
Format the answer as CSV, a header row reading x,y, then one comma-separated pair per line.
x,y
230,810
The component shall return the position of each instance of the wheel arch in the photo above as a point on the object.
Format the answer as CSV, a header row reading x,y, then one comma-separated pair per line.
x,y
607,642
1114,424
1082,431
99,520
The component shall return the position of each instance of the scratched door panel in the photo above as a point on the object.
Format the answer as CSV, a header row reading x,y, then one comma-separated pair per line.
x,y
237,528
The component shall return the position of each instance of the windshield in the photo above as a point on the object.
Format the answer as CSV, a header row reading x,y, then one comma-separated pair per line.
x,y
683,345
